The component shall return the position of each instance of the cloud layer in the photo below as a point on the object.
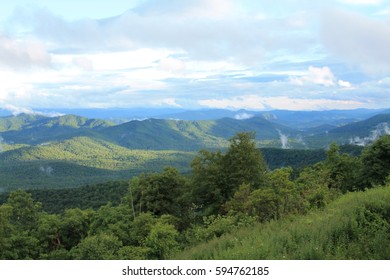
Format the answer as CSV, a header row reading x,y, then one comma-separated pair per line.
x,y
200,53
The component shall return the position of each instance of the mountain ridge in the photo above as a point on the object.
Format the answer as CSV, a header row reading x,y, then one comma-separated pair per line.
x,y
186,135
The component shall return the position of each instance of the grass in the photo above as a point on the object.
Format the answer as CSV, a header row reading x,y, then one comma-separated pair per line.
x,y
355,226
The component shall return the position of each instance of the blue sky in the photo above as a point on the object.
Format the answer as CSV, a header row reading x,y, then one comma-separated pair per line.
x,y
257,55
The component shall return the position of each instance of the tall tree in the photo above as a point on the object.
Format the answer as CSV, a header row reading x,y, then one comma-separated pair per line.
x,y
207,181
217,176
242,164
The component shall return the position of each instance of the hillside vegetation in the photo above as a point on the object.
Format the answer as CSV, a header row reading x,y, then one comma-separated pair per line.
x,y
79,161
229,206
355,226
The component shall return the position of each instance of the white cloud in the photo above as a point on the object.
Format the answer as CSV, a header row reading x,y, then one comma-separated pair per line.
x,y
83,62
16,110
212,30
22,54
171,102
316,75
172,65
254,102
243,116
344,84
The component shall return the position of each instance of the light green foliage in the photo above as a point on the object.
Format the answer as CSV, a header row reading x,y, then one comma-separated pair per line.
x,y
276,199
133,253
90,152
102,246
289,198
313,187
162,241
216,226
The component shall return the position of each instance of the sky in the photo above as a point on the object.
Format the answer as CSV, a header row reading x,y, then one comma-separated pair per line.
x,y
193,54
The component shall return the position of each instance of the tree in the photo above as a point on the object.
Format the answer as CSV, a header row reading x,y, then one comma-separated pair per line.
x,y
24,213
116,220
263,204
238,202
162,240
312,184
342,170
242,164
102,246
142,225
217,176
18,222
6,229
48,232
207,181
376,163
289,199
160,193
75,226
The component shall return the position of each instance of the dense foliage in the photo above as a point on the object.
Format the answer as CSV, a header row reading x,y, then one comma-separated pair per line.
x,y
230,200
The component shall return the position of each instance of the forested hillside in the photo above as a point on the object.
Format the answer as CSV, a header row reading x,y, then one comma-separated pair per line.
x,y
230,206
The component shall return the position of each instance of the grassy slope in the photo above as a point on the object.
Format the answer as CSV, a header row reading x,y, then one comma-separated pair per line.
x,y
356,226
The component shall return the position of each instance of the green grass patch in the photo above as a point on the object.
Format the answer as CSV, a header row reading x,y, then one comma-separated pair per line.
x,y
355,226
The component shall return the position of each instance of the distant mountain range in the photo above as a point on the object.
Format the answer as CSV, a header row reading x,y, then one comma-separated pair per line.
x,y
285,129
69,150
294,119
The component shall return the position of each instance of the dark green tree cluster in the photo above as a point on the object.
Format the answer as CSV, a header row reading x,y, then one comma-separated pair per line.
x,y
216,176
